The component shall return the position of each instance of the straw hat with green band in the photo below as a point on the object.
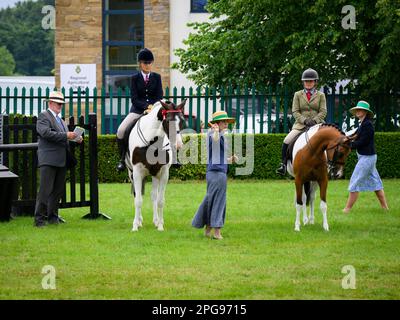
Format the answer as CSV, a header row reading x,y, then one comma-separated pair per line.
x,y
220,116
362,105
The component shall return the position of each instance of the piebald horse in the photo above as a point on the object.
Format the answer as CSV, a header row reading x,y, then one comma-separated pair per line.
x,y
150,153
317,153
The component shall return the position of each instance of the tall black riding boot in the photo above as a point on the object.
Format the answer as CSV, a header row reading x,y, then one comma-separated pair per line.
x,y
282,169
122,151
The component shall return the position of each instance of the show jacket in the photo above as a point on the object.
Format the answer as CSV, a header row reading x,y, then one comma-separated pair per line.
x,y
53,141
303,109
142,95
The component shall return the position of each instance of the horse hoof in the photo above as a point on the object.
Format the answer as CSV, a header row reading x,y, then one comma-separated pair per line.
x,y
305,221
135,228
160,228
297,228
326,227
311,221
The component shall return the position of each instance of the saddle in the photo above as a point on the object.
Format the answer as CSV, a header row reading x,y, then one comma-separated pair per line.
x,y
289,152
129,129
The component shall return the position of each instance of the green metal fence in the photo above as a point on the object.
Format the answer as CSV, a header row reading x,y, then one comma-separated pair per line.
x,y
265,110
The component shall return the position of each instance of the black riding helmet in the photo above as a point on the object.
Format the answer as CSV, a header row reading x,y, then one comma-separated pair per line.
x,y
145,55
310,74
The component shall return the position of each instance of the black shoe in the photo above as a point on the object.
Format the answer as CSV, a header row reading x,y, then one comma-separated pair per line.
x,y
281,170
121,166
39,224
54,221
177,165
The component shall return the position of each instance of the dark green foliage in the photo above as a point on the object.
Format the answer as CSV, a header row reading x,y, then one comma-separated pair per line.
x,y
22,34
267,148
268,41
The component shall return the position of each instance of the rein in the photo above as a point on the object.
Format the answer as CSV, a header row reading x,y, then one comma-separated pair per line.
x,y
142,137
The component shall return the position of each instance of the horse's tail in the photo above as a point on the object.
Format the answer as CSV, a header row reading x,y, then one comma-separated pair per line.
x,y
307,190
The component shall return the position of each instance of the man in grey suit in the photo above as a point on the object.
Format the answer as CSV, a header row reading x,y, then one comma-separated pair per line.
x,y
54,140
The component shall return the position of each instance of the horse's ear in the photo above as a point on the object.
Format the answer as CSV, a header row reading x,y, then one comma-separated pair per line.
x,y
165,105
181,106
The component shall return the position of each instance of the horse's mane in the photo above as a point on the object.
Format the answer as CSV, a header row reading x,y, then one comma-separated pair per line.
x,y
333,125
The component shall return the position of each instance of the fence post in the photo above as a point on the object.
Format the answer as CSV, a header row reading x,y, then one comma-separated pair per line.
x,y
238,106
278,108
119,106
253,107
198,94
93,173
191,108
246,106
262,96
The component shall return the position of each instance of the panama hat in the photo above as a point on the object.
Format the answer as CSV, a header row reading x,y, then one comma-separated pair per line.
x,y
57,97
362,105
220,116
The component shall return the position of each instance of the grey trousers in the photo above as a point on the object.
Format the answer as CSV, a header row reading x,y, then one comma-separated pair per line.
x,y
130,117
52,183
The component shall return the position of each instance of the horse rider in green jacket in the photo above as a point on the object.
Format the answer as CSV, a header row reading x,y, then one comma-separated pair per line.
x,y
309,109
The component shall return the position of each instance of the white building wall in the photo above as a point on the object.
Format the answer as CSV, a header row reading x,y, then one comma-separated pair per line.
x,y
180,16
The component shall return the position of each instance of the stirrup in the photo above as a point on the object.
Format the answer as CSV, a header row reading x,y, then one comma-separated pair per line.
x,y
281,170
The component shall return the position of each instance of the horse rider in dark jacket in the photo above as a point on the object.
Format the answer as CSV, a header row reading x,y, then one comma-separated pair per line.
x,y
146,89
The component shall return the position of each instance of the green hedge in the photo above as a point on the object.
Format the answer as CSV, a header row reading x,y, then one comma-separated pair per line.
x,y
267,153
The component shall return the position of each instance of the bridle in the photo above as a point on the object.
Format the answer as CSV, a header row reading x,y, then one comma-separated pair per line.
x,y
331,163
141,136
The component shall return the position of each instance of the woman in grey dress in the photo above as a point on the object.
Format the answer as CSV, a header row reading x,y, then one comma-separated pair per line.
x,y
211,213
365,177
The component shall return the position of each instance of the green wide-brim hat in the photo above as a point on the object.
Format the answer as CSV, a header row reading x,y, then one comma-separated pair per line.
x,y
220,116
362,105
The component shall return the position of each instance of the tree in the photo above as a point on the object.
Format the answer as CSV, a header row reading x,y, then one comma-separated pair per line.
x,y
7,62
22,33
269,42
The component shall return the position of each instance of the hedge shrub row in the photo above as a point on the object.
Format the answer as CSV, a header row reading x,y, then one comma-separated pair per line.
x,y
267,154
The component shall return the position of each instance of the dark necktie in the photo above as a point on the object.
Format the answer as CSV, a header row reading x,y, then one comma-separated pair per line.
x,y
146,80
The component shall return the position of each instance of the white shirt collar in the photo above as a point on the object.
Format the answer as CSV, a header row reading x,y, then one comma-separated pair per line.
x,y
54,114
144,75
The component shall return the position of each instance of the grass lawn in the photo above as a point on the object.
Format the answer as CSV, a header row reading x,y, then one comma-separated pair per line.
x,y
260,257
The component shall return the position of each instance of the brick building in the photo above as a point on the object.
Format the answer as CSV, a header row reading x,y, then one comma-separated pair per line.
x,y
110,33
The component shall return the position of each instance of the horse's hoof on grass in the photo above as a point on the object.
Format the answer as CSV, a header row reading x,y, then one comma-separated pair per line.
x,y
160,228
297,229
134,229
326,227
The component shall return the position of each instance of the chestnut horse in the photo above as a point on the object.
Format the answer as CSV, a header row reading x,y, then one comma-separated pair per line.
x,y
317,153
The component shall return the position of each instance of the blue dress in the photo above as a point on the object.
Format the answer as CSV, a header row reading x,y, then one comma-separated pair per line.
x,y
365,177
211,211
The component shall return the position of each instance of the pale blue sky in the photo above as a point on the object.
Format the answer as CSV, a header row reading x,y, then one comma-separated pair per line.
x,y
9,3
